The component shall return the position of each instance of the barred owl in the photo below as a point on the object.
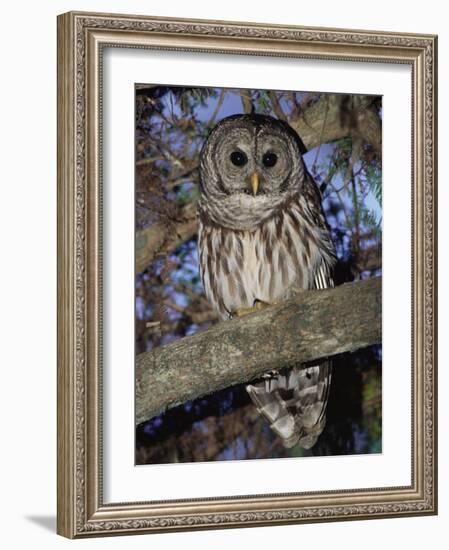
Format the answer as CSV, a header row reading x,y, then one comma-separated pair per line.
x,y
262,238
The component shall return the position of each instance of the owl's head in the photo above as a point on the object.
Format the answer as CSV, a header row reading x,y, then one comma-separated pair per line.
x,y
250,166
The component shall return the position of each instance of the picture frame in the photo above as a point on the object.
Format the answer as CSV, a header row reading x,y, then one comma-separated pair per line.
x,y
82,41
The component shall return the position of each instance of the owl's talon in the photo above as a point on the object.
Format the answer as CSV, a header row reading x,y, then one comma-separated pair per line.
x,y
257,306
260,304
243,311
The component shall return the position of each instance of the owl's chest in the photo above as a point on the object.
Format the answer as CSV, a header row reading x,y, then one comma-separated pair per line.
x,y
240,267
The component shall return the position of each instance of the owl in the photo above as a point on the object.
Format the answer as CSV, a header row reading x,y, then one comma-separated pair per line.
x,y
263,238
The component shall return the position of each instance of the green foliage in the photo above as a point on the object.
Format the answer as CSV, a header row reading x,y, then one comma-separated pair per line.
x,y
374,178
369,219
262,102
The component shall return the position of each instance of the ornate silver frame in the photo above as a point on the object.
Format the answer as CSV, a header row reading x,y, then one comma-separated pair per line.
x,y
81,37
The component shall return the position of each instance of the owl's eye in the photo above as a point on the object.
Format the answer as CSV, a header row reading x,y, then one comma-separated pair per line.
x,y
269,159
238,158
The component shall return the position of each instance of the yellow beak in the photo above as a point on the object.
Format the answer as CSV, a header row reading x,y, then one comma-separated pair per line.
x,y
254,183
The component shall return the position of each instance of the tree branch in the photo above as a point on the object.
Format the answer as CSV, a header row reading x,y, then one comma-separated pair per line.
x,y
276,106
313,325
162,237
341,120
247,102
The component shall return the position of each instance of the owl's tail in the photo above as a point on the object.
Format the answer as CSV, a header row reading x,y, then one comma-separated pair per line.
x,y
294,403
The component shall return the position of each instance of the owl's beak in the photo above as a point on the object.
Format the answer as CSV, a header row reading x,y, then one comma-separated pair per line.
x,y
254,182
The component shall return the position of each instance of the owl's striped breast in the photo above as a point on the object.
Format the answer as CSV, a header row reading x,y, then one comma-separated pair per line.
x,y
240,266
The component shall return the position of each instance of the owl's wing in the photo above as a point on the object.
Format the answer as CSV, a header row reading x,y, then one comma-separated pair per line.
x,y
294,401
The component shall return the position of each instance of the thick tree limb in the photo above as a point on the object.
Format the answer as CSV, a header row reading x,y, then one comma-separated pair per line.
x,y
163,237
313,325
332,118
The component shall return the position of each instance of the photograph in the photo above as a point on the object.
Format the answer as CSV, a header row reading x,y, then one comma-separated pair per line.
x,y
244,200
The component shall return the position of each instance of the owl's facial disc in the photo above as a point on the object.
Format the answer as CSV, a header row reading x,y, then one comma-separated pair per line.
x,y
250,166
253,162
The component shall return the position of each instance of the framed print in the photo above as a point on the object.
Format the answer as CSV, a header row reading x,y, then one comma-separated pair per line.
x,y
246,274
